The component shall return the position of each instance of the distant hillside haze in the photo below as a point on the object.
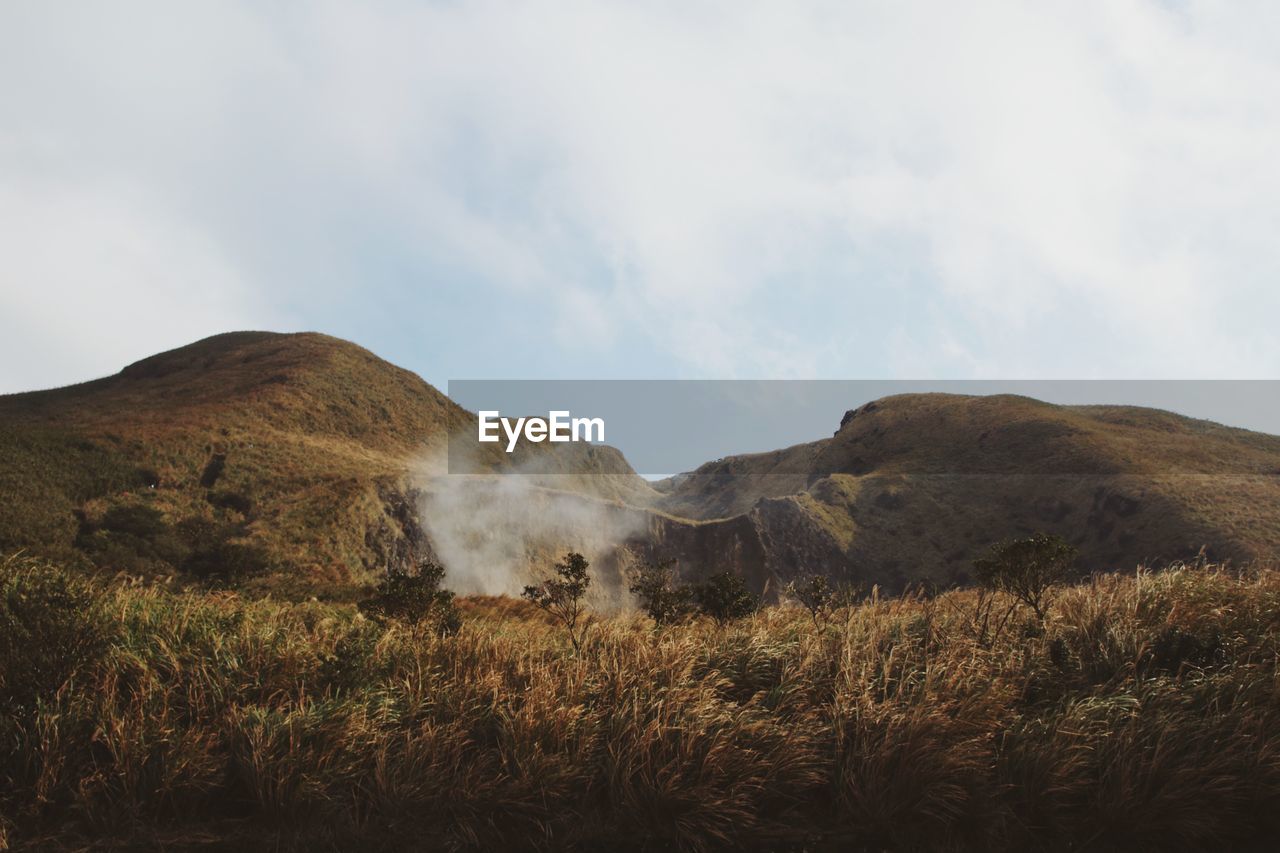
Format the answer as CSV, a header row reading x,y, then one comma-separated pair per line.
x,y
302,465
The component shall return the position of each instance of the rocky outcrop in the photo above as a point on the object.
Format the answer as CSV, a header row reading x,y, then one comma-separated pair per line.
x,y
396,541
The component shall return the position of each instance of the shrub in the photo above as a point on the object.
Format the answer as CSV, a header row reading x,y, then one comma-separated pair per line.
x,y
352,663
52,624
1027,568
228,560
217,550
725,597
814,593
1176,648
562,596
140,520
213,470
415,599
660,597
133,538
228,499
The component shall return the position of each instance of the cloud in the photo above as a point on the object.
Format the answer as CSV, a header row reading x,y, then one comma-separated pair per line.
x,y
95,279
723,189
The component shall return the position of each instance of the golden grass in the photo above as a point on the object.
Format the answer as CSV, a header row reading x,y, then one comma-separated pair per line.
x,y
1145,714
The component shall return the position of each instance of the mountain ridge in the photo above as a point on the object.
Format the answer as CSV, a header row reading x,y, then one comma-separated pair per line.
x,y
314,466
914,487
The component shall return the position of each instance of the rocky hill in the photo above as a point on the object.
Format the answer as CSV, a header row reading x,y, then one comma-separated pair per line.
x,y
290,463
304,465
915,486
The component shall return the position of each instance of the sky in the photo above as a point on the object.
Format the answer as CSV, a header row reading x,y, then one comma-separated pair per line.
x,y
890,190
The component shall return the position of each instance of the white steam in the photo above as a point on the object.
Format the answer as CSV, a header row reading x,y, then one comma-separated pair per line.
x,y
495,533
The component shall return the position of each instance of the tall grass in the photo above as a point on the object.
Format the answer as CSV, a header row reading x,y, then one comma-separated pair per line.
x,y
1144,714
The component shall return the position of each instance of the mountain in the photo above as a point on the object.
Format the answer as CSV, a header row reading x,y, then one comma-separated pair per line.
x,y
293,462
305,465
915,486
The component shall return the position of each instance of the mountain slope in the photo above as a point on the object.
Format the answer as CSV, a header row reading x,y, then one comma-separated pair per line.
x,y
282,452
303,464
291,461
915,486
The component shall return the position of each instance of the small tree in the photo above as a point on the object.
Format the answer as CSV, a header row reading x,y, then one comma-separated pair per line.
x,y
1027,568
814,593
660,597
562,596
725,597
415,599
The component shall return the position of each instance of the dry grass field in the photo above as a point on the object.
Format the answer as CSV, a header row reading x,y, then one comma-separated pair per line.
x,y
1142,714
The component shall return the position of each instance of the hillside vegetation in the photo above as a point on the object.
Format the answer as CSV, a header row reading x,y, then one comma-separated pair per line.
x,y
914,487
301,465
1143,714
286,449
289,464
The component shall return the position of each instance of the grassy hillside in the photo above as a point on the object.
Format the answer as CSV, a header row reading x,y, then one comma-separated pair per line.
x,y
916,486
280,458
283,463
304,465
1142,715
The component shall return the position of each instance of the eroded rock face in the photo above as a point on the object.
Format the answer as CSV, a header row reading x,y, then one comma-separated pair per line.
x,y
702,549
398,542
768,546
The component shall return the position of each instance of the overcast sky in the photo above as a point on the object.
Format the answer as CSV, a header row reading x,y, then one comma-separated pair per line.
x,y
668,189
